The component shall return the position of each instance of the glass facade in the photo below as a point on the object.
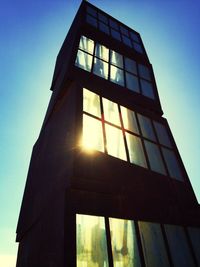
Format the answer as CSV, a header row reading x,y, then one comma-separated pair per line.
x,y
110,65
119,239
114,29
128,135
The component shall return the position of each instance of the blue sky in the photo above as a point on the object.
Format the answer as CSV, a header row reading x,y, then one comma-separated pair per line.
x,y
31,35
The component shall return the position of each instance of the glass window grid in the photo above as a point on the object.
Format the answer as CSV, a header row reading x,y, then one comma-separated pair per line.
x,y
123,33
138,238
139,135
123,69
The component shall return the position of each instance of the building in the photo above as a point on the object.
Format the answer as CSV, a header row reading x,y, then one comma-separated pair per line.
x,y
106,185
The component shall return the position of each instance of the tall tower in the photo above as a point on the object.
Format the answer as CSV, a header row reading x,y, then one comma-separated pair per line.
x,y
106,185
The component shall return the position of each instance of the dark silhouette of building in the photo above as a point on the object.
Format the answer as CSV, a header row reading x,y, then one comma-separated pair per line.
x,y
106,185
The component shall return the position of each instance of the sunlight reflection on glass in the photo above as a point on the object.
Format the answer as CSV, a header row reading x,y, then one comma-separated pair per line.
x,y
129,120
91,241
115,142
116,75
91,103
83,61
92,138
124,243
102,52
111,112
86,44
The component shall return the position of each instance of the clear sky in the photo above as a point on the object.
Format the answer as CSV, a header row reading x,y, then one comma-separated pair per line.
x,y
31,35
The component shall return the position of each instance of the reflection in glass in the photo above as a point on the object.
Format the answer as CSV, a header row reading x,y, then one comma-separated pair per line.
x,y
135,150
104,28
103,18
132,82
130,65
115,142
138,48
178,246
194,234
162,134
147,89
134,37
129,120
172,164
115,34
146,127
91,244
153,245
111,112
91,103
86,44
102,52
124,243
154,157
92,134
116,59
116,75
83,60
126,41
91,11
144,72
92,21
100,68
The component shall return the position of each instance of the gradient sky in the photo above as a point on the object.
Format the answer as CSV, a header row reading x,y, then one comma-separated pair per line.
x,y
31,35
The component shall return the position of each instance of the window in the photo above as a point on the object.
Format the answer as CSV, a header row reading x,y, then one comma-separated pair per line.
x,y
194,234
111,27
127,135
91,243
124,243
178,246
101,240
153,245
108,64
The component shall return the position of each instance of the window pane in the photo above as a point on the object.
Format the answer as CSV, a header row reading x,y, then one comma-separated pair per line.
x,y
114,25
172,164
194,234
111,112
91,244
91,11
129,120
130,65
138,48
115,34
126,41
178,246
153,245
100,68
144,72
116,59
132,82
92,134
134,37
124,30
115,142
103,18
135,150
91,20
154,157
104,28
116,75
162,134
86,44
147,89
91,103
146,127
124,243
83,61
102,52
